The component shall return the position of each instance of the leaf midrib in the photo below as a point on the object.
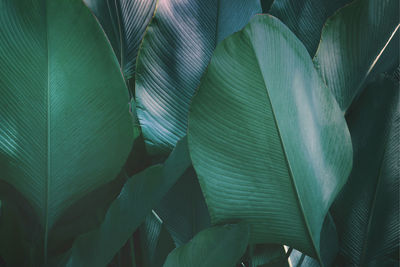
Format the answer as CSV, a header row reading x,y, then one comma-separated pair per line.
x,y
284,151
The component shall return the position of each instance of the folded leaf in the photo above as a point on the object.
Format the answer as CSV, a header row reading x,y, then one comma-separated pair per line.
x,y
138,196
305,18
174,54
124,22
367,210
65,125
267,138
219,246
351,44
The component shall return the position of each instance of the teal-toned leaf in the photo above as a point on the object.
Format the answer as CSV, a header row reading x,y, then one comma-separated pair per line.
x,y
219,246
267,138
298,259
155,242
268,255
173,56
305,18
138,196
183,210
367,210
65,127
124,22
351,45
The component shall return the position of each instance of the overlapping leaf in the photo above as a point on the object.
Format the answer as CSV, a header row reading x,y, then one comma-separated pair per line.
x,y
352,43
305,18
183,210
367,210
138,196
155,242
65,127
124,22
267,138
174,54
219,246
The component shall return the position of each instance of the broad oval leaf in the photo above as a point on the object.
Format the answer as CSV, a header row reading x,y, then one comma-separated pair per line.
x,y
219,246
174,54
124,22
65,127
367,210
352,43
267,138
305,18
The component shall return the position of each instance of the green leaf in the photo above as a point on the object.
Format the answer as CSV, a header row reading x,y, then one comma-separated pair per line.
x,y
65,125
183,210
298,259
267,138
219,246
173,56
367,210
124,22
138,196
351,44
268,255
156,243
305,18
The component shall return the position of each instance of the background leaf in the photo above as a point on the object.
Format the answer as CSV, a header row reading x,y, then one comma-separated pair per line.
x,y
367,210
183,209
138,196
305,18
174,54
219,246
351,45
156,242
267,138
124,22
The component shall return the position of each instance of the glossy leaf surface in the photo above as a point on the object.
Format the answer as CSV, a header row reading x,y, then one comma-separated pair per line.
x,y
351,44
174,54
219,246
267,138
305,18
138,196
65,125
367,210
124,22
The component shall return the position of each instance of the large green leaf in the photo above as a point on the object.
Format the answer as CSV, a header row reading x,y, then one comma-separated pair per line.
x,y
219,246
124,22
174,54
138,196
267,138
351,44
183,210
367,210
305,18
65,125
